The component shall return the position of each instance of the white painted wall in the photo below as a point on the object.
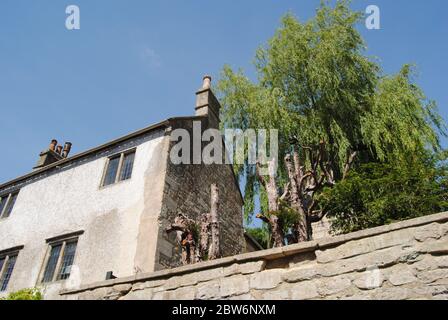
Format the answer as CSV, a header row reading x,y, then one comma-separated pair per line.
x,y
72,200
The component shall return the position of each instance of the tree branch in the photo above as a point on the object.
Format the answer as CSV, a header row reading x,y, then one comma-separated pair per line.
x,y
317,216
348,165
263,218
285,192
260,177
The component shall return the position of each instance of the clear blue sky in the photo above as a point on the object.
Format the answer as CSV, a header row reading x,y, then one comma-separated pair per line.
x,y
137,62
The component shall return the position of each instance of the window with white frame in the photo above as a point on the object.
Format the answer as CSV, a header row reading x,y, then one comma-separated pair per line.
x,y
119,168
7,264
59,259
7,203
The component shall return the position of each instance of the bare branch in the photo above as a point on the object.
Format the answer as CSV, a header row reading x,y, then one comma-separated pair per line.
x,y
307,175
215,248
317,216
297,165
348,165
263,218
174,227
285,192
205,234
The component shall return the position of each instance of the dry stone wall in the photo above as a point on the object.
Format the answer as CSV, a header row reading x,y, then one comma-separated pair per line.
x,y
406,260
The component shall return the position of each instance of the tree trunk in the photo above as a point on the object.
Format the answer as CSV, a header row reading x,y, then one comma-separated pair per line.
x,y
189,250
277,232
204,236
294,175
214,252
273,204
182,226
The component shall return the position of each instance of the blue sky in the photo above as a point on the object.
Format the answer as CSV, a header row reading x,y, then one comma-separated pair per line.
x,y
137,62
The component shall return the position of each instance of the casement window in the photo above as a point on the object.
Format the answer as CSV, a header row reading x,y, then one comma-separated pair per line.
x,y
7,203
119,168
7,263
59,259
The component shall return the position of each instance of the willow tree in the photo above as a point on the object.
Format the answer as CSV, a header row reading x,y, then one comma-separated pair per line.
x,y
333,107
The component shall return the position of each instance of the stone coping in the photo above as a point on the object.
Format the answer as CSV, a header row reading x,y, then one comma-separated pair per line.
x,y
270,254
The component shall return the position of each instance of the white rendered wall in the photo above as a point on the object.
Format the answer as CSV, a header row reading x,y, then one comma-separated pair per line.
x,y
72,200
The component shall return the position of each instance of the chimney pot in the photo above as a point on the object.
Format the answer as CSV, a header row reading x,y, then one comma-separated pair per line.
x,y
59,150
207,82
67,149
53,144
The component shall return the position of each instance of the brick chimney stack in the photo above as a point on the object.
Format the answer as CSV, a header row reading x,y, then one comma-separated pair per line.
x,y
207,104
53,154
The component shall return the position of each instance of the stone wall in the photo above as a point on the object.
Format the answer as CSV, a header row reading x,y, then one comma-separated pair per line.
x,y
187,191
406,260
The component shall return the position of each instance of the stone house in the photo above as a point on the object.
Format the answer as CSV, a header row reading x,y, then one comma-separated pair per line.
x,y
79,219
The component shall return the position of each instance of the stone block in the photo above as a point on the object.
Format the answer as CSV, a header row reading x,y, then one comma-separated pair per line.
x,y
246,296
300,274
359,247
161,295
122,288
177,281
96,294
343,266
208,290
393,293
426,263
444,229
185,293
244,268
280,293
235,285
433,275
432,231
359,297
148,284
193,278
400,274
331,286
434,247
428,291
145,294
303,259
268,279
377,259
231,270
441,262
304,290
369,280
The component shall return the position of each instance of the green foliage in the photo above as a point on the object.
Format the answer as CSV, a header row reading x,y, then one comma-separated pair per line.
x,y
261,235
25,294
381,193
401,121
316,83
287,217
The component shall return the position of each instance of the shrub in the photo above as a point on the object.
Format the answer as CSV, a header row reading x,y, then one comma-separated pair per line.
x,y
25,294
